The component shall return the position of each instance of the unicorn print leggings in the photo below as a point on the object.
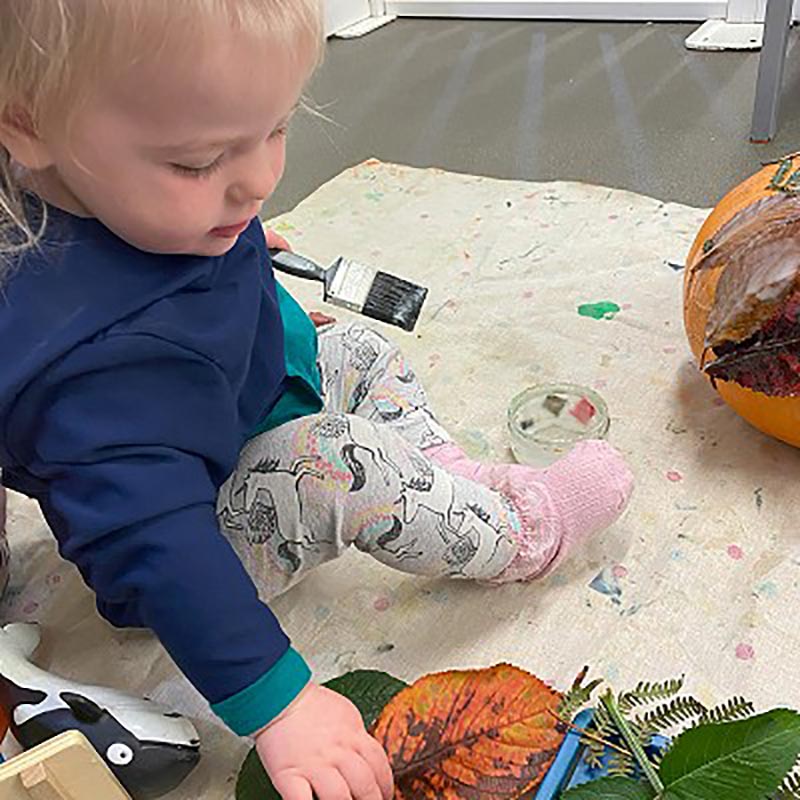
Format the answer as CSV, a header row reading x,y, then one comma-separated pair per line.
x,y
357,474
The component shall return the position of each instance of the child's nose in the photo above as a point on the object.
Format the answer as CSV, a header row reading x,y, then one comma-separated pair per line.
x,y
256,181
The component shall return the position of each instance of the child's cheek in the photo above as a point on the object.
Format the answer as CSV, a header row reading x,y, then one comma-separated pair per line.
x,y
182,203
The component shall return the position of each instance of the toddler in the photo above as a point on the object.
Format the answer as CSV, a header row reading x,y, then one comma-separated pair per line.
x,y
194,443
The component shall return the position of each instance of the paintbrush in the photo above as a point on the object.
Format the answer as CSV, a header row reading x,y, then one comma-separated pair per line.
x,y
359,288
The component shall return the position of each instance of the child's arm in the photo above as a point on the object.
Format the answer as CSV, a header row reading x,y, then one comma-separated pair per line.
x,y
132,434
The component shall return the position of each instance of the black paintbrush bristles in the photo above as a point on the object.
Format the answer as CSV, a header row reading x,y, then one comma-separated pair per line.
x,y
394,300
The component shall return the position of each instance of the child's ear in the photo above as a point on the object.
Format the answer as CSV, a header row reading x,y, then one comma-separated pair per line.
x,y
19,136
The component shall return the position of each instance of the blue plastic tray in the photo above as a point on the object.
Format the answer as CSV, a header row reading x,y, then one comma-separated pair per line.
x,y
570,769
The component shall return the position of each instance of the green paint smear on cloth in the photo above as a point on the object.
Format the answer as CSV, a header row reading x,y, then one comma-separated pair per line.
x,y
602,310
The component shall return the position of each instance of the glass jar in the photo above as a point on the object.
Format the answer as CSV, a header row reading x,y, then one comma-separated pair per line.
x,y
545,422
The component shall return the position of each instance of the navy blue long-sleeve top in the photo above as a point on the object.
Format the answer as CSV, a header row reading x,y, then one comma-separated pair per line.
x,y
128,385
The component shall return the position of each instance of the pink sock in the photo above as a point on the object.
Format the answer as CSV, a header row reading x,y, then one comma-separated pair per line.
x,y
578,496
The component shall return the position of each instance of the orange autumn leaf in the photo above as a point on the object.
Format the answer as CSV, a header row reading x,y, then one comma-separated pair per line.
x,y
484,734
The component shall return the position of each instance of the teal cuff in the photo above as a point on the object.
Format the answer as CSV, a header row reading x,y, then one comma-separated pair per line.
x,y
256,706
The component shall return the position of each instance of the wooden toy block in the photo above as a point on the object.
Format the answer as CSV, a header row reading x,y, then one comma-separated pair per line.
x,y
63,768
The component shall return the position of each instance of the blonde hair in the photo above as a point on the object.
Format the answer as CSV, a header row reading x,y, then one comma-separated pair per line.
x,y
53,51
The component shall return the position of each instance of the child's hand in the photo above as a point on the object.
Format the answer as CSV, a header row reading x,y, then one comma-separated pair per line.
x,y
320,320
276,242
319,745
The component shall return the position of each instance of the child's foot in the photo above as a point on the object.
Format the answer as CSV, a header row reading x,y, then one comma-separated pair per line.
x,y
558,507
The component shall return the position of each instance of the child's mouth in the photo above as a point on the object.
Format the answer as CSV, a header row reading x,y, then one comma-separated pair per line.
x,y
230,231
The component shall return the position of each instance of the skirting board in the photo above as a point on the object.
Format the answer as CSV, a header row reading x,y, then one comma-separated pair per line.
x,y
364,27
645,10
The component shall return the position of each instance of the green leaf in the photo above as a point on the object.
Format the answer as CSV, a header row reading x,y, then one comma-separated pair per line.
x,y
746,760
369,690
610,789
253,783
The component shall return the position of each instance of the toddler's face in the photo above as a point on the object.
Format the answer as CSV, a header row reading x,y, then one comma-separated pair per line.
x,y
180,154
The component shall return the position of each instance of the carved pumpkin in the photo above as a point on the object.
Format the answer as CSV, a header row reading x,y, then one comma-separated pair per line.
x,y
742,299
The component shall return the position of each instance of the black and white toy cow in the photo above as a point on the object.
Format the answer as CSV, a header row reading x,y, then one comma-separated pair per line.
x,y
149,748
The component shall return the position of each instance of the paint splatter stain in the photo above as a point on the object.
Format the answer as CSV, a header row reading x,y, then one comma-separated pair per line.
x,y
606,583
631,611
674,476
605,309
620,571
718,402
441,596
759,494
735,552
767,589
382,604
528,294
385,648
745,652
674,427
475,444
670,349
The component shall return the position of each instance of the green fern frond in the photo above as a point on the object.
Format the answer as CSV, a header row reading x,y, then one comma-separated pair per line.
x,y
733,709
602,723
621,765
595,751
575,699
677,711
790,788
646,693
641,730
596,762
601,729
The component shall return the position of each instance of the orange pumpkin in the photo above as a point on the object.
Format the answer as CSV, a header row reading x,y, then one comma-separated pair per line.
x,y
774,415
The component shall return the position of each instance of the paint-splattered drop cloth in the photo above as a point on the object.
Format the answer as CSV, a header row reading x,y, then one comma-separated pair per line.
x,y
702,577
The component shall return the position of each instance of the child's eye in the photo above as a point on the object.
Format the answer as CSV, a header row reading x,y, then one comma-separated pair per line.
x,y
198,172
